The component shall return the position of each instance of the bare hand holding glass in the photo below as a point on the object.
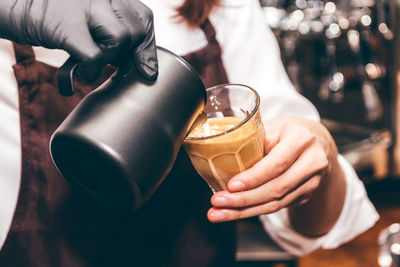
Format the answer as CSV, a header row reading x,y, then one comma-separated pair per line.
x,y
300,171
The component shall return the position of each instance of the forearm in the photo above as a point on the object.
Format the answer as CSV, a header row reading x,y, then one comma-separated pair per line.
x,y
317,216
8,19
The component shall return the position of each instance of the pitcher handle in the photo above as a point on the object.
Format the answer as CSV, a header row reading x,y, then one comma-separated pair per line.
x,y
65,77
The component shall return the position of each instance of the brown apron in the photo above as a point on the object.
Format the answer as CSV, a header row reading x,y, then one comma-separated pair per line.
x,y
57,225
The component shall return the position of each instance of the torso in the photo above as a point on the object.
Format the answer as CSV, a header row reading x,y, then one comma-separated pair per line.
x,y
52,220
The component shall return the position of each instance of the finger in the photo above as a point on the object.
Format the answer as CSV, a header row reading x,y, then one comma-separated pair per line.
x,y
146,57
313,161
139,19
108,31
84,50
277,161
301,195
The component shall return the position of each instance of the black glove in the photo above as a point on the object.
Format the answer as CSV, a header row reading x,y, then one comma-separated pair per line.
x,y
93,32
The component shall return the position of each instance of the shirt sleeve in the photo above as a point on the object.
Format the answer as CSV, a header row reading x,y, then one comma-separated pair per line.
x,y
251,56
358,214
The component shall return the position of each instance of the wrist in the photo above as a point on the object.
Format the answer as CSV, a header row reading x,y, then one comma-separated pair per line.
x,y
317,216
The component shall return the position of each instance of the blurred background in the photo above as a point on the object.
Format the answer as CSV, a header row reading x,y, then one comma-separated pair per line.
x,y
344,56
340,55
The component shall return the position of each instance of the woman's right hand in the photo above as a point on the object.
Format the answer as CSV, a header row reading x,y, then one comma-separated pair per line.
x,y
93,32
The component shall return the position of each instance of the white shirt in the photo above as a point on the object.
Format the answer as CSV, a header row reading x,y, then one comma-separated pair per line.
x,y
251,56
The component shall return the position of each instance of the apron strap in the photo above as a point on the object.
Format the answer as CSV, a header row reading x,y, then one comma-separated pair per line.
x,y
207,61
23,52
208,30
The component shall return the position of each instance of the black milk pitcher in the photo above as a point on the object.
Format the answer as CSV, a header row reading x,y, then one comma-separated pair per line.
x,y
122,139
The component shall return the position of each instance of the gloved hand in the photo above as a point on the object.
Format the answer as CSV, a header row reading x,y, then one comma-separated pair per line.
x,y
93,32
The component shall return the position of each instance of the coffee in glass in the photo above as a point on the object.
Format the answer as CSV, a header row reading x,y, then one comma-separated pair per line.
x,y
233,137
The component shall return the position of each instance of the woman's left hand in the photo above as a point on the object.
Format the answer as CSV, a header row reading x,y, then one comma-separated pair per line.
x,y
299,154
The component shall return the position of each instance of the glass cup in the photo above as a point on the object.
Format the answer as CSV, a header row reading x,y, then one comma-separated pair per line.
x,y
233,137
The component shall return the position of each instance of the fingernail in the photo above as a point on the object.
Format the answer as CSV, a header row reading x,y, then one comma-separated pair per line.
x,y
220,201
217,215
236,186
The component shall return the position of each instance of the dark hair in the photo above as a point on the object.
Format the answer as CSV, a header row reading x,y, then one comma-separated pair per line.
x,y
195,12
